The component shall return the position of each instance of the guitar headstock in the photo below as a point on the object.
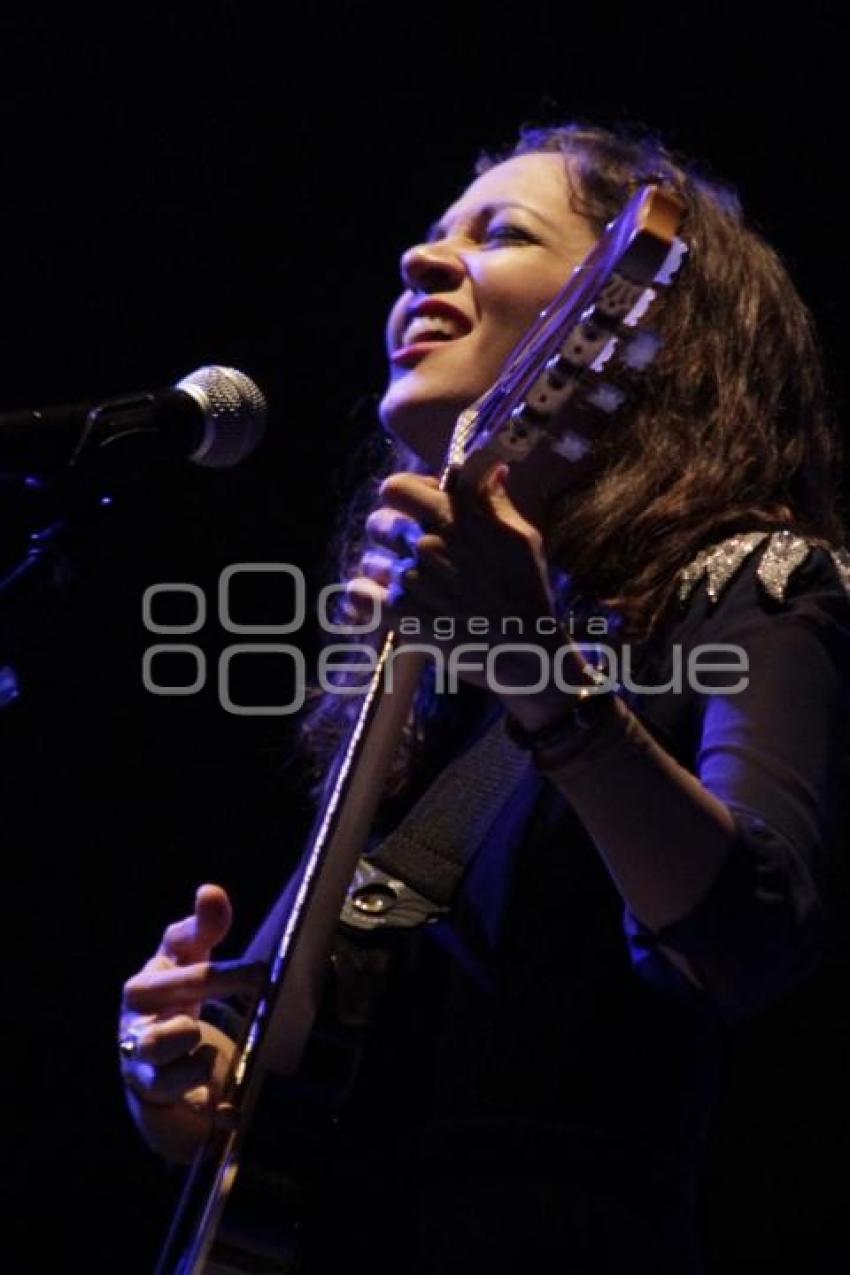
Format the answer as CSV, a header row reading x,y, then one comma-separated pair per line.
x,y
566,363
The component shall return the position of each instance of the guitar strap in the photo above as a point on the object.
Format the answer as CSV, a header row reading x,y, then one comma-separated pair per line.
x,y
414,874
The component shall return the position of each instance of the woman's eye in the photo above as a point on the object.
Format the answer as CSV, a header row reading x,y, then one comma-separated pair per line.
x,y
508,232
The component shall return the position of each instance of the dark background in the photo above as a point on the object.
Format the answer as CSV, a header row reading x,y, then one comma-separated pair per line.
x,y
213,183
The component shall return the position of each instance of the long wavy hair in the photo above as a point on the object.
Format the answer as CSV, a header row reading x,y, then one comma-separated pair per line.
x,y
729,428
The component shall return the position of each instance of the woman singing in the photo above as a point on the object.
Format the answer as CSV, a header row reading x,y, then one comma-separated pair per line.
x,y
538,1083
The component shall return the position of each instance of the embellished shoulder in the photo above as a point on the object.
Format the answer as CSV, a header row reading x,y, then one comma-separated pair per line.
x,y
782,553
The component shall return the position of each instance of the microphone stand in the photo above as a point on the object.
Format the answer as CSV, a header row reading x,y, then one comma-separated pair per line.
x,y
29,587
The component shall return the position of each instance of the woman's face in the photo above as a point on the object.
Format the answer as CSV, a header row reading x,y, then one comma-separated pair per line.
x,y
487,269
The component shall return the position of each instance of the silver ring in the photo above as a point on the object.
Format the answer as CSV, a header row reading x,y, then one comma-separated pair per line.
x,y
129,1044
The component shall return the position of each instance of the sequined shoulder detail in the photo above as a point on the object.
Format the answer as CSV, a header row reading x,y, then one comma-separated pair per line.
x,y
783,554
718,563
841,558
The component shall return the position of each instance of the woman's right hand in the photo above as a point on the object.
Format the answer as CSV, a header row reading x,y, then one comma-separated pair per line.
x,y
177,1067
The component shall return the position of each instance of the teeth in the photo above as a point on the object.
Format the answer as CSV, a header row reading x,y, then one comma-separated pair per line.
x,y
431,325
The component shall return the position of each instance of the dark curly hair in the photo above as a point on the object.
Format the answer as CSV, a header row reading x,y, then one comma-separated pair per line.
x,y
729,428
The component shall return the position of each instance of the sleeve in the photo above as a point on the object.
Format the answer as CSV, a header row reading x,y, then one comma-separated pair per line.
x,y
772,753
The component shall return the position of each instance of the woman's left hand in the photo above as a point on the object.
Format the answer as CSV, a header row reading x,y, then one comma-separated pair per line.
x,y
475,575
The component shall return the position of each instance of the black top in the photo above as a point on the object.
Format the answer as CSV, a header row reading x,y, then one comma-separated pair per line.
x,y
541,1077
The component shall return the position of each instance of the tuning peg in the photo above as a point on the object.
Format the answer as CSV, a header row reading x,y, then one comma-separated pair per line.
x,y
571,445
640,349
676,254
639,308
604,354
606,397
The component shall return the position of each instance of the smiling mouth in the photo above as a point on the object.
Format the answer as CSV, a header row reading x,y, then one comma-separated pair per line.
x,y
412,351
425,332
431,324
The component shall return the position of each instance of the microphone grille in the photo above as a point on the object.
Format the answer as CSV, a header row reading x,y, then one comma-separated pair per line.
x,y
234,410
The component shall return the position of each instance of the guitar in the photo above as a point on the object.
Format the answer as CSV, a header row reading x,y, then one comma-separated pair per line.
x,y
242,1208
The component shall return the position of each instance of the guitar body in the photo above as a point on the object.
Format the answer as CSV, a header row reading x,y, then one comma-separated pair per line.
x,y
259,1219
247,1200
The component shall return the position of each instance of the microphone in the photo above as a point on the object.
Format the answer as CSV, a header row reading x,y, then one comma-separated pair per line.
x,y
214,417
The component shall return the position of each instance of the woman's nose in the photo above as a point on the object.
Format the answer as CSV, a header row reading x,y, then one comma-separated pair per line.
x,y
431,267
